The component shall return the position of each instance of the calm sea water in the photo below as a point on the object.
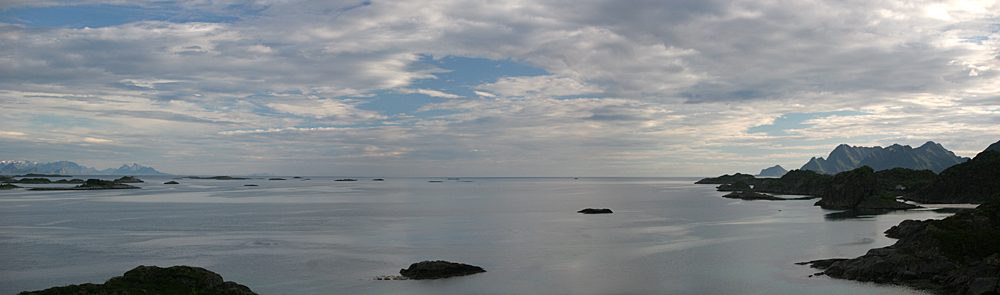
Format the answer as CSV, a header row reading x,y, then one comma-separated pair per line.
x,y
320,236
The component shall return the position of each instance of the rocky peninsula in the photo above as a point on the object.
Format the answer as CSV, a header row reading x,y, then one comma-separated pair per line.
x,y
956,255
152,280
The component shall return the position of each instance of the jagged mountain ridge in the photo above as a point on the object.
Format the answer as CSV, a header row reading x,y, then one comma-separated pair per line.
x,y
930,155
11,167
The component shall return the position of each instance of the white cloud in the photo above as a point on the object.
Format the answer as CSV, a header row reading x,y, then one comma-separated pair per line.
x,y
330,110
427,92
545,86
675,82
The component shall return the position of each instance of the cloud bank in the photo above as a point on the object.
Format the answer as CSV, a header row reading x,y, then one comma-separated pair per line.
x,y
630,88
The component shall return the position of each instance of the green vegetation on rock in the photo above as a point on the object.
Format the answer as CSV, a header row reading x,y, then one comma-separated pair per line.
x,y
974,181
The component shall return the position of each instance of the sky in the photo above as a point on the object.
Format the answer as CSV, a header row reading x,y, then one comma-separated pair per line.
x,y
491,88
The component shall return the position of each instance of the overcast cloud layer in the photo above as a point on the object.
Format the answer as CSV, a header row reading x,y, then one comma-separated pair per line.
x,y
617,88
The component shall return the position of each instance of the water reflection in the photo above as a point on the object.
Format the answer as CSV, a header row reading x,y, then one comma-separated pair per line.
x,y
856,214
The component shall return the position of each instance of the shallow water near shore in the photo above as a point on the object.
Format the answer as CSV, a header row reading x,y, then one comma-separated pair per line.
x,y
321,236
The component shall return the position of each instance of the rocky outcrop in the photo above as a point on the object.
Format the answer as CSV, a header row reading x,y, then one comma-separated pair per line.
x,y
152,280
971,182
751,196
128,179
595,211
171,182
90,184
847,189
956,255
795,182
727,179
858,189
430,270
739,185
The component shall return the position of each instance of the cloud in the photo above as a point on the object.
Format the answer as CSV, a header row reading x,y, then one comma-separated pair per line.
x,y
329,110
667,85
427,92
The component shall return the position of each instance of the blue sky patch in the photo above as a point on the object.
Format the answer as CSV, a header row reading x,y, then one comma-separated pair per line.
x,y
463,74
792,121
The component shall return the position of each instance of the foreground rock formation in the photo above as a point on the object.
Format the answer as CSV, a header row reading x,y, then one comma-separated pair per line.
x,y
152,280
430,270
956,255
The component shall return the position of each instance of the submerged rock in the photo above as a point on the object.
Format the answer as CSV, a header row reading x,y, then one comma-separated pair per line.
x,y
152,280
595,211
430,270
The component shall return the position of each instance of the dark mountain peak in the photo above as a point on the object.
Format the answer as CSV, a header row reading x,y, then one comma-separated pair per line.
x,y
994,147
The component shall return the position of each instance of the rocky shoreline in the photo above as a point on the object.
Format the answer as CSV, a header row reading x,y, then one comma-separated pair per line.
x,y
956,255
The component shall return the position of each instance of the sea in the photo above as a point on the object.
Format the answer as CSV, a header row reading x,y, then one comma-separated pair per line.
x,y
323,235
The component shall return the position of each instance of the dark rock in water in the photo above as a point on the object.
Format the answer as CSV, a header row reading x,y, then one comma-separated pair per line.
x,y
739,185
171,182
430,270
152,280
249,185
346,179
795,182
595,211
90,184
128,179
4,186
727,179
956,255
276,178
750,196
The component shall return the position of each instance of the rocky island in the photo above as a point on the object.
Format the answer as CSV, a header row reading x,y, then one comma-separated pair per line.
x,y
430,270
152,280
91,184
595,211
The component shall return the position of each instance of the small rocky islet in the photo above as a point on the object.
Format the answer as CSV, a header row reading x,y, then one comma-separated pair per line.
x,y
153,280
595,211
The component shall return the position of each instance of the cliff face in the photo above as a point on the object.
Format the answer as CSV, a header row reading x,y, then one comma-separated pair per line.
x,y
957,255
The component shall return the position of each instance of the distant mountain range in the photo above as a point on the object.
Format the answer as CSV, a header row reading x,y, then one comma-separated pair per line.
x,y
931,156
12,167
